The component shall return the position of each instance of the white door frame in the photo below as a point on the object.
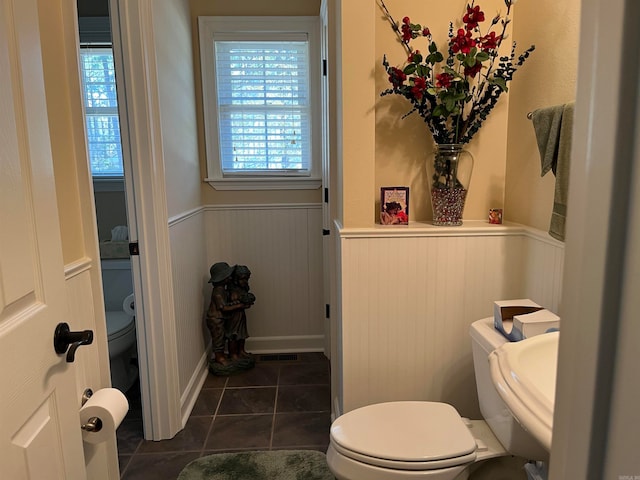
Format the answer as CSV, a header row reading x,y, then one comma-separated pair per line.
x,y
329,179
596,419
326,176
137,85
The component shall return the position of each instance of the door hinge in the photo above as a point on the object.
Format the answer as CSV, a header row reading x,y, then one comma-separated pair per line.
x,y
327,311
134,249
326,195
324,67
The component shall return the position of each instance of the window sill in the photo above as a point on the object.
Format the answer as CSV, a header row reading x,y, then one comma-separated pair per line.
x,y
264,183
108,184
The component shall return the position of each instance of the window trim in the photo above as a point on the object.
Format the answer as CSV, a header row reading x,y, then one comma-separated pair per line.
x,y
87,48
208,27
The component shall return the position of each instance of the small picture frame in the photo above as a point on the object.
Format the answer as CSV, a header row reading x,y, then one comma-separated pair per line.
x,y
394,206
495,216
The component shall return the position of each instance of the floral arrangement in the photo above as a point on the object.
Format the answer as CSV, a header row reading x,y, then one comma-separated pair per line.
x,y
456,93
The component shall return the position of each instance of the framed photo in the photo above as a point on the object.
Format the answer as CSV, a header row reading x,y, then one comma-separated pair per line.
x,y
394,206
495,216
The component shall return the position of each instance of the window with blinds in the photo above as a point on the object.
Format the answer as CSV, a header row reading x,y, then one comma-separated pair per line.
x,y
101,111
260,99
263,106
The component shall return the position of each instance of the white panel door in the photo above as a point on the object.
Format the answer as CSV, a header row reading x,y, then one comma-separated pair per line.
x,y
40,436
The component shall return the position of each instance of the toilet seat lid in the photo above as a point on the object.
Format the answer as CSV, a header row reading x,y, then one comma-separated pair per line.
x,y
118,322
409,435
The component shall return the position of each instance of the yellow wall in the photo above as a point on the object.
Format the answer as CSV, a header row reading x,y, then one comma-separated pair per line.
x,y
355,99
238,8
506,172
549,78
174,66
62,86
403,146
376,147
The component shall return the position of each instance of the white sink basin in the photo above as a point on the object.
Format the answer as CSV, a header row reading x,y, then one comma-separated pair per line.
x,y
524,374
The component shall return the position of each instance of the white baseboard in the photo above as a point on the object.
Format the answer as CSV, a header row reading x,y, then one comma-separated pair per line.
x,y
299,343
190,394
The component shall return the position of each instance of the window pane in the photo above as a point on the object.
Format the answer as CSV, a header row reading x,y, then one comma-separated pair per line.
x,y
266,139
101,107
263,105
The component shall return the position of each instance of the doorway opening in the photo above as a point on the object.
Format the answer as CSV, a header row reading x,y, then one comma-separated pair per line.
x,y
106,161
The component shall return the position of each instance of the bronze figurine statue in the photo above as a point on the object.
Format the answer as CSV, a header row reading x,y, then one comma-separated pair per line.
x,y
236,325
226,318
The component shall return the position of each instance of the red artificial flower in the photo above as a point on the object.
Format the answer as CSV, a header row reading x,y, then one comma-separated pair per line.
x,y
462,42
407,34
419,86
473,17
396,77
473,71
490,41
443,80
446,84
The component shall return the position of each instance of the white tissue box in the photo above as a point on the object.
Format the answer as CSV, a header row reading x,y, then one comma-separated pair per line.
x,y
536,323
504,312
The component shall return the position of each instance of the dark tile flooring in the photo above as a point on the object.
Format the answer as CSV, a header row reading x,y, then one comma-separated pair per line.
x,y
281,403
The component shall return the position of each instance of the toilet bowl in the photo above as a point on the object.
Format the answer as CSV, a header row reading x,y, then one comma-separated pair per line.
x,y
117,286
121,335
430,440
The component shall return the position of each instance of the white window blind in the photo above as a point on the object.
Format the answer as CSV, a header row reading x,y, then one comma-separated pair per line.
x,y
263,106
261,96
101,111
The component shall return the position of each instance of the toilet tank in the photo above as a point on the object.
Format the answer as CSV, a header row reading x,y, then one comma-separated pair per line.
x,y
484,339
116,282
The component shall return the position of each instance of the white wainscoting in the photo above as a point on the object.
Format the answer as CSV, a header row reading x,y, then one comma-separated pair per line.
x,y
82,316
190,293
91,364
409,294
282,246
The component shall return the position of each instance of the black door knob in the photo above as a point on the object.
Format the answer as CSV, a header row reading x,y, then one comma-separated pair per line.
x,y
64,340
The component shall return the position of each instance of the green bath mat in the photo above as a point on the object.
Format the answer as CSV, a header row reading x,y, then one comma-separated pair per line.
x,y
269,465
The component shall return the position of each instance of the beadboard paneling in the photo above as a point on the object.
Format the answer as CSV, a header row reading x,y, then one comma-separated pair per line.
x,y
82,316
190,276
282,246
89,372
544,262
409,298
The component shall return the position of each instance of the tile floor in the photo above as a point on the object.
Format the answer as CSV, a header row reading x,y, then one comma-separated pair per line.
x,y
279,404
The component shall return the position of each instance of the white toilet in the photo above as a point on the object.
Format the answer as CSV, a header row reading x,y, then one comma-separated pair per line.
x,y
121,326
429,440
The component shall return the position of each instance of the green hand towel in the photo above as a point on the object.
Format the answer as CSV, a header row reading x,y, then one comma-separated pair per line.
x,y
546,123
559,214
553,127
